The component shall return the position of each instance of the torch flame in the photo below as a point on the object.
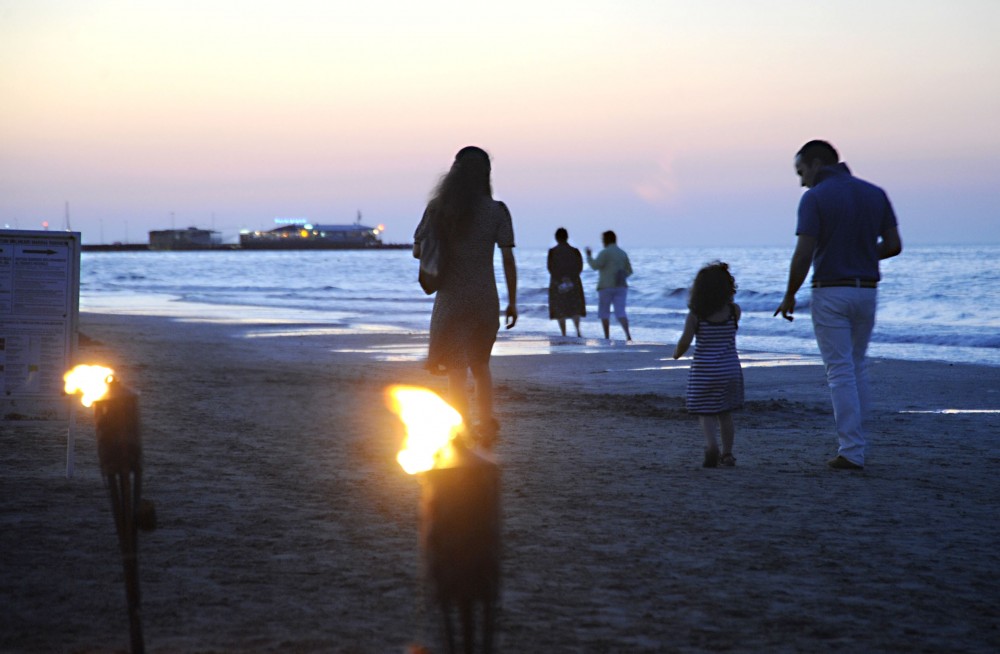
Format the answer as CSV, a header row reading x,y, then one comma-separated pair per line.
x,y
431,427
92,381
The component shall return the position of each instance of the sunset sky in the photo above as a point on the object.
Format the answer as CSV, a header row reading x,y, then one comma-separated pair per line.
x,y
673,123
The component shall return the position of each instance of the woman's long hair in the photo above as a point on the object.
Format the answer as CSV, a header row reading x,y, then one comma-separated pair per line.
x,y
713,288
461,189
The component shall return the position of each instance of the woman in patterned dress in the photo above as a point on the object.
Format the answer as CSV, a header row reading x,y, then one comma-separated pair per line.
x,y
715,382
466,315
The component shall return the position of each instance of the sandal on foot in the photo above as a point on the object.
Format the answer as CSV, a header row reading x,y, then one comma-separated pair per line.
x,y
711,458
728,460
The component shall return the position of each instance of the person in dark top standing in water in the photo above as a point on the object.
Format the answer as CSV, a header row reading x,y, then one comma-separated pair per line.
x,y
566,300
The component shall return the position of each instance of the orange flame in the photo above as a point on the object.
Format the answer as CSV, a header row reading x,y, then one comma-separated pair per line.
x,y
92,381
431,427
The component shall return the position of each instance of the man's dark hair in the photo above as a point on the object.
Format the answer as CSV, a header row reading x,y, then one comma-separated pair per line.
x,y
562,235
818,150
609,237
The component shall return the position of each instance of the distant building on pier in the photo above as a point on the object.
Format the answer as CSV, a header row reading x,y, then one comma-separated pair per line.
x,y
191,238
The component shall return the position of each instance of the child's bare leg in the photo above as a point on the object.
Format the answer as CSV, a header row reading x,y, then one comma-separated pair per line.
x,y
709,427
728,431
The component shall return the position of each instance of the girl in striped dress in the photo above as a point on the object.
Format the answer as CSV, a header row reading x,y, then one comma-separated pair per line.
x,y
715,382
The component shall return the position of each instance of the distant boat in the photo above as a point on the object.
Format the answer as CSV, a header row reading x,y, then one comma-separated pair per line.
x,y
313,237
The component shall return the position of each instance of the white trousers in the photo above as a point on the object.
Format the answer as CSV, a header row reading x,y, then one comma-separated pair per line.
x,y
843,320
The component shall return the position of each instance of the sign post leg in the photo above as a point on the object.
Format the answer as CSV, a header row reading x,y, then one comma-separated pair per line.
x,y
71,441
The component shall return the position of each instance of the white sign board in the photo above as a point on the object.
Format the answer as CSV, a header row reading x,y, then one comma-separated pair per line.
x,y
39,313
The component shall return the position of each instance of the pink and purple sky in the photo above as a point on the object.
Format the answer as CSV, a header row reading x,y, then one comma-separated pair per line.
x,y
673,123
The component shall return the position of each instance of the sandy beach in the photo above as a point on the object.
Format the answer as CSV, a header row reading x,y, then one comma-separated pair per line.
x,y
285,523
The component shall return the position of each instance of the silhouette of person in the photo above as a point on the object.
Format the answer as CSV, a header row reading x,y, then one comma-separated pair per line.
x,y
614,269
565,263
845,227
466,314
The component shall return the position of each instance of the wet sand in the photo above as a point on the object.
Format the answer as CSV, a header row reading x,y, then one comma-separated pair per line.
x,y
285,523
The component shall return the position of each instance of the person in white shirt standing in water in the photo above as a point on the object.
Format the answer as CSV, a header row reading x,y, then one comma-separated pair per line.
x,y
612,288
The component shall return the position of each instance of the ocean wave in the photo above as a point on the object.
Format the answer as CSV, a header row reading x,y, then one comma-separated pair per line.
x,y
954,339
932,300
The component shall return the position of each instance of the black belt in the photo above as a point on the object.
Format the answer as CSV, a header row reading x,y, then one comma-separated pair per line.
x,y
855,283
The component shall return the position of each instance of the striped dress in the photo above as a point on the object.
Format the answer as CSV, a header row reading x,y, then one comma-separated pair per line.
x,y
715,383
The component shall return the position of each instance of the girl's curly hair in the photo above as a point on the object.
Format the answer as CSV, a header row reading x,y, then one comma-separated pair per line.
x,y
714,287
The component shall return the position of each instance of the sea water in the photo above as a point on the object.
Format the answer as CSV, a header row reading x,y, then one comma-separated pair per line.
x,y
937,303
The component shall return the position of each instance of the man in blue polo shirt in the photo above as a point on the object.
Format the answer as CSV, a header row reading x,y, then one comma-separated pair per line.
x,y
845,227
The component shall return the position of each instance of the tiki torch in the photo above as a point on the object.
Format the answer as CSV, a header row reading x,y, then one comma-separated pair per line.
x,y
119,449
459,512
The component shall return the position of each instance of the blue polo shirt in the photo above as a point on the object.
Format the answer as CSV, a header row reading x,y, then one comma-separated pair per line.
x,y
846,216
